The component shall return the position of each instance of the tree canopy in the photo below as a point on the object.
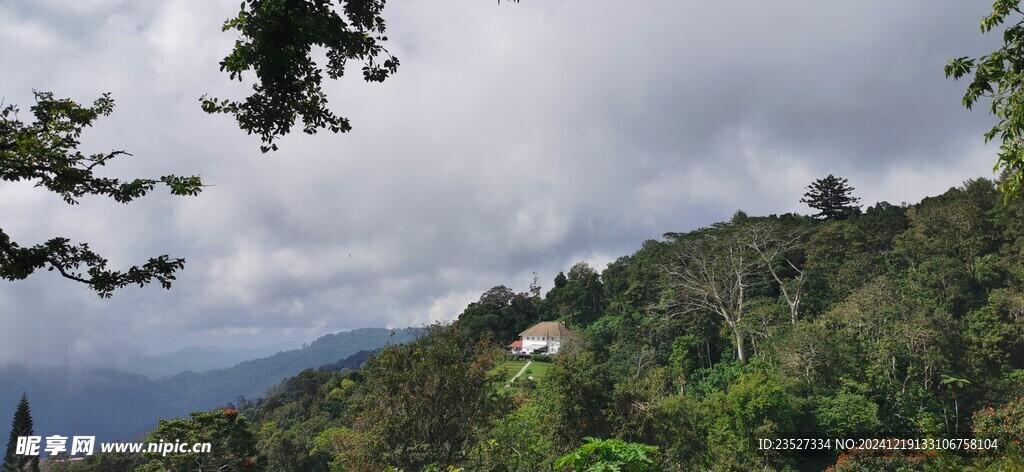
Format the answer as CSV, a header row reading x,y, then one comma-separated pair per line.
x,y
832,196
276,40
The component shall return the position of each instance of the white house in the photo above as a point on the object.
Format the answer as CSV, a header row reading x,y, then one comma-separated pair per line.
x,y
542,338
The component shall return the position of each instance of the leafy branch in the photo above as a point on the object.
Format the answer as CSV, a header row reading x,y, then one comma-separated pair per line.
x,y
276,41
999,77
46,152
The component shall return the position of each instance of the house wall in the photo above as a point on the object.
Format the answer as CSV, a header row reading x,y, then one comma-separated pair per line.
x,y
532,343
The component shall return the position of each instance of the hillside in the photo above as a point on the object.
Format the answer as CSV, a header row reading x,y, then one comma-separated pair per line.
x,y
900,321
251,379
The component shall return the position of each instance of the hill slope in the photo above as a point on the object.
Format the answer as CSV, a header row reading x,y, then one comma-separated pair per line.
x,y
252,378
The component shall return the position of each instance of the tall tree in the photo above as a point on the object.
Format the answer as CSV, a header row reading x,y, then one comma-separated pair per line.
x,y
574,394
21,427
711,273
580,298
501,314
425,401
775,246
832,196
46,153
998,77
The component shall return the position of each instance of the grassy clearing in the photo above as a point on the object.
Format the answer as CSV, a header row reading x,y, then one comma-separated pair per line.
x,y
506,370
537,370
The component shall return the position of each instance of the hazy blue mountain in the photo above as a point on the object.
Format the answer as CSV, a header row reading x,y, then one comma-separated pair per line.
x,y
197,359
109,404
119,405
251,379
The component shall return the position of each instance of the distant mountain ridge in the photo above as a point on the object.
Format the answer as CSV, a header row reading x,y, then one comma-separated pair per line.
x,y
107,403
252,378
353,362
196,359
118,405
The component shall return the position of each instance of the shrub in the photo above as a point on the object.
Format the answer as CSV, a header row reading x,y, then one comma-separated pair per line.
x,y
880,460
609,455
1005,423
848,415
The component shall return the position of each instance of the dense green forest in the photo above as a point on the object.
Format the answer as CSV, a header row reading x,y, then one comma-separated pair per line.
x,y
901,321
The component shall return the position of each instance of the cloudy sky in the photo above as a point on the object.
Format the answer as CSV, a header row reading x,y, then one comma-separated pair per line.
x,y
514,139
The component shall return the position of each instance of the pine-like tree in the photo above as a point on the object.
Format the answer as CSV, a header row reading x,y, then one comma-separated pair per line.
x,y
22,426
833,198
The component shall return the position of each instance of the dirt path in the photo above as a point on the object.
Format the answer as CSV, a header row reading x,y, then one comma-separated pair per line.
x,y
509,384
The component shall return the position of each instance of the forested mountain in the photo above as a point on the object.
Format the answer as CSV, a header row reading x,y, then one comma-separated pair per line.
x,y
194,358
112,404
117,405
901,321
252,378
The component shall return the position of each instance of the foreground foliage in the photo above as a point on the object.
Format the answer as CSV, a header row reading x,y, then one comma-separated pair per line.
x,y
609,455
997,77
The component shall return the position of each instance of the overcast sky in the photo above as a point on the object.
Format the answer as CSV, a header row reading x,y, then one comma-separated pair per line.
x,y
514,139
